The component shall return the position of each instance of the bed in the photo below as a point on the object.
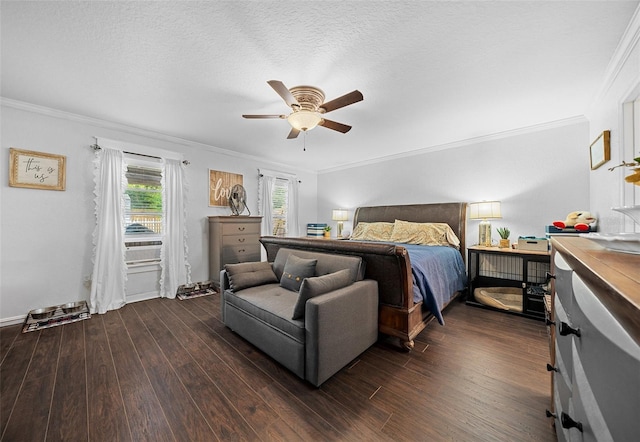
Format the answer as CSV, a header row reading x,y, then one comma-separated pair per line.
x,y
400,314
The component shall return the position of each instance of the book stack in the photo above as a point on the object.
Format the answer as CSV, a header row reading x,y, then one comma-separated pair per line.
x,y
316,230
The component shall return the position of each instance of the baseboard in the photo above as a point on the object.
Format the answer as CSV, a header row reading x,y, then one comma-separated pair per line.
x,y
5,322
142,296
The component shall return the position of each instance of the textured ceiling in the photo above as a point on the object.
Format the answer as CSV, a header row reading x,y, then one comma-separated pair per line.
x,y
431,73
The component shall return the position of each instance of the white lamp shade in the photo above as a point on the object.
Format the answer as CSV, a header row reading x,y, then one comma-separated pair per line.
x,y
485,210
304,120
340,215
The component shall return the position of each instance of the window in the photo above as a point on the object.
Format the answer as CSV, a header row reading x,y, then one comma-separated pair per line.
x,y
134,192
278,203
143,198
279,200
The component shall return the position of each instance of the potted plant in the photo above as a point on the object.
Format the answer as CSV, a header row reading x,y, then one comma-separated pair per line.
x,y
327,232
504,233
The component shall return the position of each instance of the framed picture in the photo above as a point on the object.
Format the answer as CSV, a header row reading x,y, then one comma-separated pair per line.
x,y
36,170
600,150
220,184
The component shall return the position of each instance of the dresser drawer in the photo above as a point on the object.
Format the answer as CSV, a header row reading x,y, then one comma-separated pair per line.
x,y
561,433
240,253
240,228
586,410
563,343
235,240
563,286
609,363
561,387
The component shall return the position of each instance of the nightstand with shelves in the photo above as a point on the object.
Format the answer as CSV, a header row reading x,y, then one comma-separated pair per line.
x,y
508,279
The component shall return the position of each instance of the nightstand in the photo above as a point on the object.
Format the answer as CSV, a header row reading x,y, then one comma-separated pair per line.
x,y
509,280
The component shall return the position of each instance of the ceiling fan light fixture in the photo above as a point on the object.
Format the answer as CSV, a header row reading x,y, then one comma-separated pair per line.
x,y
304,120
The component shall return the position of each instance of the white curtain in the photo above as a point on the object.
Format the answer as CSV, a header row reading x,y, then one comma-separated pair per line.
x,y
265,203
266,183
292,208
175,268
109,269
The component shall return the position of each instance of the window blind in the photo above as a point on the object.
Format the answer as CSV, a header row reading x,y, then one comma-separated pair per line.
x,y
143,200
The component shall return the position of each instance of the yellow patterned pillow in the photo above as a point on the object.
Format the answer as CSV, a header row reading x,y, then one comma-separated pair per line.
x,y
428,234
373,231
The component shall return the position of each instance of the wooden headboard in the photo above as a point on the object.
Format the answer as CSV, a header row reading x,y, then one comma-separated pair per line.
x,y
454,214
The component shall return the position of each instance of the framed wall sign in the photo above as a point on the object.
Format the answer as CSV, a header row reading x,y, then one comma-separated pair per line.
x,y
220,184
600,150
36,170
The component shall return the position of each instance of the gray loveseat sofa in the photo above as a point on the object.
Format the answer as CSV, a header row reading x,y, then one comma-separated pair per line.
x,y
335,310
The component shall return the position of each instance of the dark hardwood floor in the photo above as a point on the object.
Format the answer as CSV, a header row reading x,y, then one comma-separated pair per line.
x,y
169,370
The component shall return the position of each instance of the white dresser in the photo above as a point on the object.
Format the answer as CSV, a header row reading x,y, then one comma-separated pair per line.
x,y
595,348
232,239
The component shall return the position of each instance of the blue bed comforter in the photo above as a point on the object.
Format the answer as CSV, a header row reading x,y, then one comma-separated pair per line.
x,y
438,272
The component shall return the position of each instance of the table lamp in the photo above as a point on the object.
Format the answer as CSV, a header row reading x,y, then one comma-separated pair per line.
x,y
340,215
484,211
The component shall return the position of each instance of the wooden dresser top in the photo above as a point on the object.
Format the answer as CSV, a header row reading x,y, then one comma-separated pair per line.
x,y
614,277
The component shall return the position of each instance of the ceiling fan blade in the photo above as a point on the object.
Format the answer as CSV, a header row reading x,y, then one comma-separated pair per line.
x,y
282,90
293,134
345,100
334,125
265,116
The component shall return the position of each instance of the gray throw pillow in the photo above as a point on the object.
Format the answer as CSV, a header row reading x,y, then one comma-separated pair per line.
x,y
320,285
249,274
295,270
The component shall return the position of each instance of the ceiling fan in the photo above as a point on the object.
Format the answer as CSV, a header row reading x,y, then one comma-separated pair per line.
x,y
308,107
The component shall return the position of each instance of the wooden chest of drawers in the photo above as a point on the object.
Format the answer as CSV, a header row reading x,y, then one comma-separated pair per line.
x,y
595,351
232,239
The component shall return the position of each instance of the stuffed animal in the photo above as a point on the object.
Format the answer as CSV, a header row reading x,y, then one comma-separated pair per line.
x,y
578,220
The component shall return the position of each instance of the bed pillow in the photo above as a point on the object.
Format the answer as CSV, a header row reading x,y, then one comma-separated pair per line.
x,y
380,231
428,234
295,270
249,274
319,285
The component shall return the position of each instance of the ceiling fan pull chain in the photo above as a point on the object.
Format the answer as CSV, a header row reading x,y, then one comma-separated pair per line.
x,y
304,142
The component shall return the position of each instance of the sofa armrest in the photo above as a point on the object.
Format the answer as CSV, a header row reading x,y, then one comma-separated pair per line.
x,y
339,326
224,281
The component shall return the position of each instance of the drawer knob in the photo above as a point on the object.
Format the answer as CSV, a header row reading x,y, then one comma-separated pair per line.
x,y
566,329
551,368
241,239
241,229
568,422
550,414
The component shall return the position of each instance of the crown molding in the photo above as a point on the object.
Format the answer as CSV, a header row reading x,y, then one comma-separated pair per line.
x,y
467,142
623,51
132,130
55,113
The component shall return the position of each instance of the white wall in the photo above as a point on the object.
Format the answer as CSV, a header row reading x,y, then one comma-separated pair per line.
x,y
621,84
46,236
539,176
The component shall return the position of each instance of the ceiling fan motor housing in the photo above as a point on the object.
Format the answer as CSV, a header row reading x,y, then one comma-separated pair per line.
x,y
309,97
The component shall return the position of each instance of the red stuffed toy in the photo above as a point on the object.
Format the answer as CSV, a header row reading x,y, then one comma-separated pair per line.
x,y
577,220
